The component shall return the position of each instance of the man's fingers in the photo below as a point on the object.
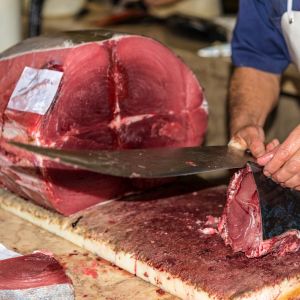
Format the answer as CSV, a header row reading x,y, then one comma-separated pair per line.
x,y
287,149
293,182
289,174
255,145
283,175
282,155
250,137
254,137
263,160
272,145
271,149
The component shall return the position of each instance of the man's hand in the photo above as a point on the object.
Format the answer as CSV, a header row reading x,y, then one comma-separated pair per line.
x,y
250,137
282,162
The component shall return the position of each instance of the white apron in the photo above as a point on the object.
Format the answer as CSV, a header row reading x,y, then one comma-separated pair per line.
x,y
290,24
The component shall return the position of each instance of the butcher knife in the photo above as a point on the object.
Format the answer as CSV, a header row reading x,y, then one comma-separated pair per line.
x,y
147,163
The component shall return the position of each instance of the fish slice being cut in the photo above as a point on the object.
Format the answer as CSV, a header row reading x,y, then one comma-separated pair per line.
x,y
260,221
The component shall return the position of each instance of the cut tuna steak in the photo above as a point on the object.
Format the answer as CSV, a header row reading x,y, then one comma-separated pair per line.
x,y
34,276
117,92
260,221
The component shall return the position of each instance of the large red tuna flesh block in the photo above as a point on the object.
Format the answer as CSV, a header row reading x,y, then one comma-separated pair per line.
x,y
116,92
260,216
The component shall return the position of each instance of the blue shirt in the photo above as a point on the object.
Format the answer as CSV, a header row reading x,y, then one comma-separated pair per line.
x,y
257,40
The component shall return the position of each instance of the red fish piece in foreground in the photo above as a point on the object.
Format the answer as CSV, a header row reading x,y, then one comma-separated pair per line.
x,y
34,276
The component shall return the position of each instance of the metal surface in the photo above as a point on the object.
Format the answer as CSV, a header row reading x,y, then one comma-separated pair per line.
x,y
148,163
280,207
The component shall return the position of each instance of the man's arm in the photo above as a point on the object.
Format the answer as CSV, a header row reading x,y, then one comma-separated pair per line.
x,y
253,94
257,46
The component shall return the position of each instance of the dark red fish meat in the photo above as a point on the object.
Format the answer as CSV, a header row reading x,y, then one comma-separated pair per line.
x,y
113,91
260,216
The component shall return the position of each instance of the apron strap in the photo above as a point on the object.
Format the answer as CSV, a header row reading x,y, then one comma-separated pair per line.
x,y
290,11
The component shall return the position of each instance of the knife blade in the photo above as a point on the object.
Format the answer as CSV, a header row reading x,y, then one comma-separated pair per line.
x,y
147,163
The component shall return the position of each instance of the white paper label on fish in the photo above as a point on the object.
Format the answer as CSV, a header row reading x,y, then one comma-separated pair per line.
x,y
35,90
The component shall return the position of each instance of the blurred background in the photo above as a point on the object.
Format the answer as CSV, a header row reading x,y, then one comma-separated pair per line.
x,y
197,19
197,30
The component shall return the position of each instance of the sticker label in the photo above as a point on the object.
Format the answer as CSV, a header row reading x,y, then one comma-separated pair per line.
x,y
35,91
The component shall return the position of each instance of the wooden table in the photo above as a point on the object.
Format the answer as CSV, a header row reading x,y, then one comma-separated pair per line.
x,y
93,278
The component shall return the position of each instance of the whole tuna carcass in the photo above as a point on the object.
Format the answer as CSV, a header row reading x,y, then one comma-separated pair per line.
x,y
91,90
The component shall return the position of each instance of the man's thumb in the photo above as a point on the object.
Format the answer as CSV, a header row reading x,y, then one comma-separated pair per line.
x,y
237,143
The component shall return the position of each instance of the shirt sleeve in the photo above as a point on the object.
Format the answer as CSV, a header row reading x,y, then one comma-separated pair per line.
x,y
256,42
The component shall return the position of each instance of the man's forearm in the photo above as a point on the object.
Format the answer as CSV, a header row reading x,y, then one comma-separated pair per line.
x,y
253,94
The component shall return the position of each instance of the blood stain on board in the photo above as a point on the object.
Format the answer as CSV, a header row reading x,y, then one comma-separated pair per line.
x,y
160,292
90,272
